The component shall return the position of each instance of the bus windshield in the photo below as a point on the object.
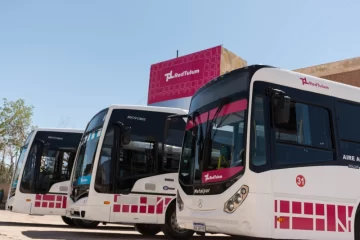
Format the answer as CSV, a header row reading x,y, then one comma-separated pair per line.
x,y
143,156
213,148
19,165
49,160
88,146
86,156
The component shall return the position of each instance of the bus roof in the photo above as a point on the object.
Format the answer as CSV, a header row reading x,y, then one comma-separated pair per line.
x,y
292,79
150,108
71,130
308,83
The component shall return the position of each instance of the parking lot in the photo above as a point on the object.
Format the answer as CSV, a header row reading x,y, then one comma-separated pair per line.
x,y
16,226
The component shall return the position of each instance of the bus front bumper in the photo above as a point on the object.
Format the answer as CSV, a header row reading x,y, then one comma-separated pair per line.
x,y
252,218
82,210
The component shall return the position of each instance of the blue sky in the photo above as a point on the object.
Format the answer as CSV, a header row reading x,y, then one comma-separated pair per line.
x,y
70,59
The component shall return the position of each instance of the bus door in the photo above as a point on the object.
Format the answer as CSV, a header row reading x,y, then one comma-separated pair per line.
x,y
303,145
134,204
50,180
25,199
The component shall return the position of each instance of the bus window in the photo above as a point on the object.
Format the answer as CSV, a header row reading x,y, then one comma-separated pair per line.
x,y
27,179
173,143
17,171
348,119
136,160
306,137
53,169
258,149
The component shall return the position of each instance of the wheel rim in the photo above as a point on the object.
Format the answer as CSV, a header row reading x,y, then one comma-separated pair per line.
x,y
175,225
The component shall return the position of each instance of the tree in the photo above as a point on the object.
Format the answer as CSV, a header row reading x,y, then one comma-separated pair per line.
x,y
15,126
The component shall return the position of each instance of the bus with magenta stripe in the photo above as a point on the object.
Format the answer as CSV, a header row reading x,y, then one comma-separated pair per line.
x,y
126,169
41,179
271,153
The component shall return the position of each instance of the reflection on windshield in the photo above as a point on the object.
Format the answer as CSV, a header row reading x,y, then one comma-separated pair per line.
x,y
85,159
19,165
136,160
218,154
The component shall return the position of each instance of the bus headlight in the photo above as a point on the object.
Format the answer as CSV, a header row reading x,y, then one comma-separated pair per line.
x,y
230,205
236,200
179,202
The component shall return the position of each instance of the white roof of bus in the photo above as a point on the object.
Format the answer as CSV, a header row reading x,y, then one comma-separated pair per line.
x,y
70,130
150,108
292,79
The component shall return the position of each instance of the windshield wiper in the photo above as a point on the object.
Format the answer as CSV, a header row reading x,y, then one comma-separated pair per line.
x,y
207,144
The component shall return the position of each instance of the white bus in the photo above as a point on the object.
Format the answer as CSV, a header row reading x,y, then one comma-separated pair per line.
x,y
288,147
125,169
41,179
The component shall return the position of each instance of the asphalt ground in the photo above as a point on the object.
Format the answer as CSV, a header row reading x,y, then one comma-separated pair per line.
x,y
15,226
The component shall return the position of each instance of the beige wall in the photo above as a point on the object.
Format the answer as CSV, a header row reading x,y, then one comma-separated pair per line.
x,y
345,71
229,61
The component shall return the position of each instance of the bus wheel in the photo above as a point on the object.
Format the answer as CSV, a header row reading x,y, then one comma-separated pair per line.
x,y
171,229
85,223
147,229
68,221
357,226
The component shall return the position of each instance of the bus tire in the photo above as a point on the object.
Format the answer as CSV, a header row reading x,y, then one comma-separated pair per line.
x,y
85,223
68,221
357,226
147,229
171,229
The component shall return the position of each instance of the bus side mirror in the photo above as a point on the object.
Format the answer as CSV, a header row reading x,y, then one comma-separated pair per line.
x,y
281,109
125,133
168,122
126,136
167,125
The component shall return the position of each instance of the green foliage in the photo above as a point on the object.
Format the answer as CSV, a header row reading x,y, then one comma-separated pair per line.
x,y
15,126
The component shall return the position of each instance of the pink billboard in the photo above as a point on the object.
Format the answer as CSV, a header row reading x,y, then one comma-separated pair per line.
x,y
181,77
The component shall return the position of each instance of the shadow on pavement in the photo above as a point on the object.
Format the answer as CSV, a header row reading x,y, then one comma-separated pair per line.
x,y
65,235
22,224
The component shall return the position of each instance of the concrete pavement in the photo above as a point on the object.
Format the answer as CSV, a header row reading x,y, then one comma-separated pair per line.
x,y
15,226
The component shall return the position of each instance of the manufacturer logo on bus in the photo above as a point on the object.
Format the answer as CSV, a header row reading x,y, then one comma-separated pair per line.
x,y
56,138
201,191
200,203
136,118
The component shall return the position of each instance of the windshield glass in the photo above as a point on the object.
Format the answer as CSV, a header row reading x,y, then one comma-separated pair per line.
x,y
49,160
213,149
19,165
135,160
87,151
86,157
119,168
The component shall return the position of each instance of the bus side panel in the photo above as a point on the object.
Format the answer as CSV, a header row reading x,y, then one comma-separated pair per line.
x,y
48,204
136,208
149,201
314,202
20,204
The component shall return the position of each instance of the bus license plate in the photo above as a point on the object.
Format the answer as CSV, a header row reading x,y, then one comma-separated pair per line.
x,y
199,227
